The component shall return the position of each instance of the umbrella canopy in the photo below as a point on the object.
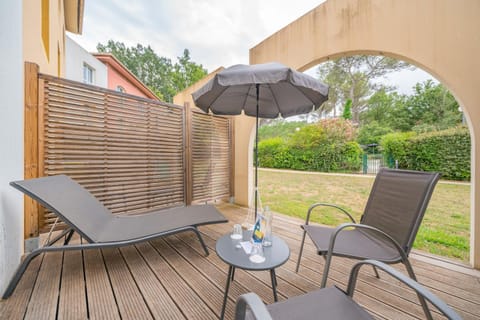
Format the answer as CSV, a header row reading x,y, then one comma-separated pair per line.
x,y
283,91
262,91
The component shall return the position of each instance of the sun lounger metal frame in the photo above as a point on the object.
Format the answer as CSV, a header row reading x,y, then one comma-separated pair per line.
x,y
69,201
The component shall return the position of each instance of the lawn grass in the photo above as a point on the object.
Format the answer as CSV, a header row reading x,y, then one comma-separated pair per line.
x,y
445,229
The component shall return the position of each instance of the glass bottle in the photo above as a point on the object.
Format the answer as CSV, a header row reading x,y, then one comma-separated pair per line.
x,y
257,255
267,231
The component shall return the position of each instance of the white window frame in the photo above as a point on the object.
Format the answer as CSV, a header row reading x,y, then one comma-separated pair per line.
x,y
88,74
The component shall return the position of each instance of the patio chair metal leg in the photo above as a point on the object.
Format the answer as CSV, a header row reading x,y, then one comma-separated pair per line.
x,y
328,261
326,269
195,229
426,310
301,251
376,272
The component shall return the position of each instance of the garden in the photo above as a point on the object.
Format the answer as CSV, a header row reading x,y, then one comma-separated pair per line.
x,y
424,130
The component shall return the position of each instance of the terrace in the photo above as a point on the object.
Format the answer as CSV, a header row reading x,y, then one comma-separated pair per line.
x,y
171,278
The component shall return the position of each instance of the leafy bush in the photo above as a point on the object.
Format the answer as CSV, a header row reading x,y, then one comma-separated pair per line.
x,y
394,146
338,130
281,129
274,153
446,151
372,133
324,146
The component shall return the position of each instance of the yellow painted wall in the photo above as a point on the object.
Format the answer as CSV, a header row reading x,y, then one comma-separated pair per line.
x,y
34,49
439,36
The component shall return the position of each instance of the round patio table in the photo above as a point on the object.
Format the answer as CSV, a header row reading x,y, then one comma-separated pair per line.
x,y
275,255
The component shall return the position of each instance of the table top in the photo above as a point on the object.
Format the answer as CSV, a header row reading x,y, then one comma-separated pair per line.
x,y
275,255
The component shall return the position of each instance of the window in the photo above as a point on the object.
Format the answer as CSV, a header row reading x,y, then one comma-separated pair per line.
x,y
121,89
88,74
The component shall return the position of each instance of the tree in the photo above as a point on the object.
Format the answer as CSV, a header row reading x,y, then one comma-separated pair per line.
x,y
430,107
347,110
372,133
163,77
352,78
186,72
387,110
433,104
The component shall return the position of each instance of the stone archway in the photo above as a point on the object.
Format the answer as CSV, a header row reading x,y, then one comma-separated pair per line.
x,y
440,36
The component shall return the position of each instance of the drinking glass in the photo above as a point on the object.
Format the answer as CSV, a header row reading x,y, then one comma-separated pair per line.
x,y
237,233
257,256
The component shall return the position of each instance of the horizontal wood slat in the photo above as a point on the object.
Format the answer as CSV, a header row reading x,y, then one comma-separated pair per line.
x,y
211,157
127,151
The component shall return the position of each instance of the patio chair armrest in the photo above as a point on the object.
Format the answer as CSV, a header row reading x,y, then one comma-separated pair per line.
x,y
320,204
255,305
418,288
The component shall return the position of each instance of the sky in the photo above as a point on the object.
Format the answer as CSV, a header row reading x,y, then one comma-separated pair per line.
x,y
216,32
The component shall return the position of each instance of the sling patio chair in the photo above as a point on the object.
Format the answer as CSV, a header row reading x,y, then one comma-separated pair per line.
x,y
330,303
84,214
387,228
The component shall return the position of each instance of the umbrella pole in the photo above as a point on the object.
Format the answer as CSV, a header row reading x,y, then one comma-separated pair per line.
x,y
256,154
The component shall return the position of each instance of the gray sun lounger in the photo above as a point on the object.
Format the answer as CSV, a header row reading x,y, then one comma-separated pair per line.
x,y
388,227
330,303
84,214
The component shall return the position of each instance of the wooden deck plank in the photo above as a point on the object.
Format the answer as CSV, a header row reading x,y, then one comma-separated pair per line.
x,y
463,300
18,301
189,302
43,302
131,304
255,281
170,278
293,237
368,302
201,274
161,305
73,302
284,288
417,311
100,297
433,277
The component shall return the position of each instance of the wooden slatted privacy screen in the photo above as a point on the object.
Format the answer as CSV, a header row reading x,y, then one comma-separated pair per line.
x,y
129,151
211,157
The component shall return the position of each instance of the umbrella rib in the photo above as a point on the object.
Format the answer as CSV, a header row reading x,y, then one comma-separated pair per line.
x,y
275,99
244,104
216,98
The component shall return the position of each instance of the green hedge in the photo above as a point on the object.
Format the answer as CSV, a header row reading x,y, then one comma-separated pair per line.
x,y
325,146
345,157
446,151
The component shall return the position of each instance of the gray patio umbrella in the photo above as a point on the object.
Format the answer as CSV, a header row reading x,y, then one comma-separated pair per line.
x,y
262,91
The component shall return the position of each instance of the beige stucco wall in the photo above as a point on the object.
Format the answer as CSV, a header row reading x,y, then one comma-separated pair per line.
x,y
440,36
33,47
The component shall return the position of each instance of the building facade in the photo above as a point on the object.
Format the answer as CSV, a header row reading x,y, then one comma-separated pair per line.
x,y
82,66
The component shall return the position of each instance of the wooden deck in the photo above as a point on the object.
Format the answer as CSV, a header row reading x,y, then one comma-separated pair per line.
x,y
170,278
